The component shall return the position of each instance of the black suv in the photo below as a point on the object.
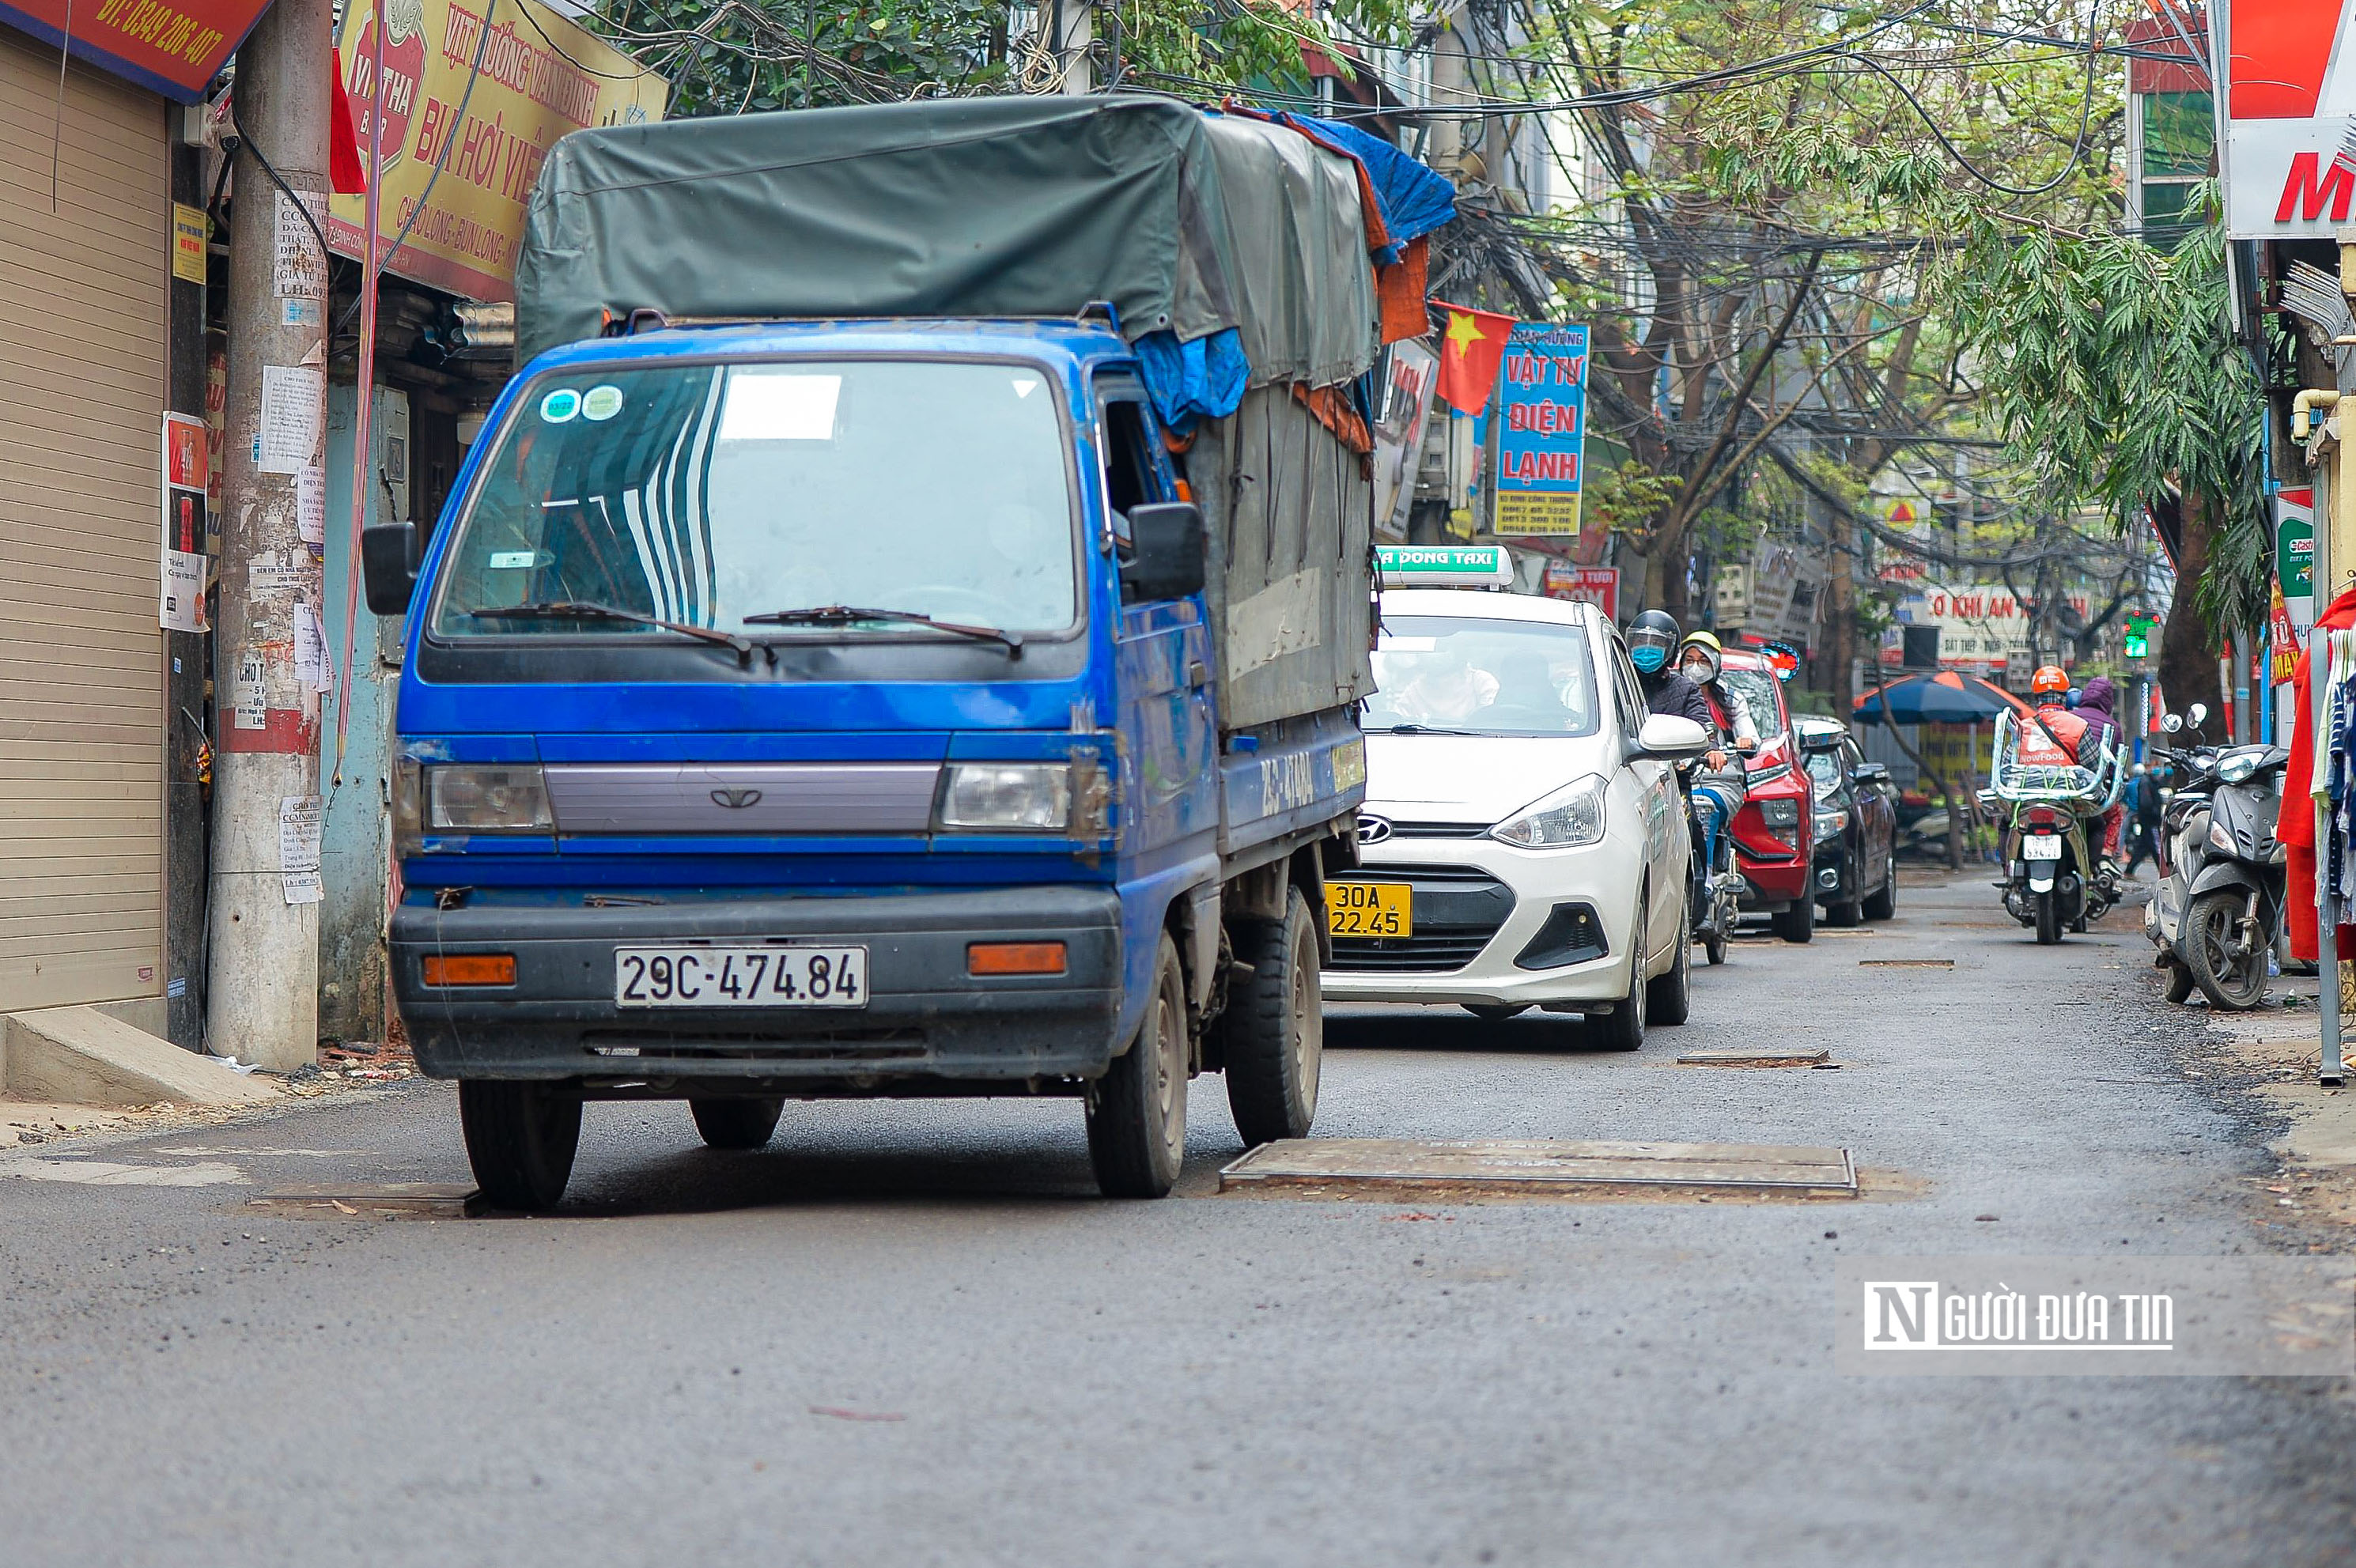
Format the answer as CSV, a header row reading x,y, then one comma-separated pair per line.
x,y
1856,825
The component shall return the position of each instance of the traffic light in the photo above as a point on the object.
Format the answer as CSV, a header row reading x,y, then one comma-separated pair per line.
x,y
2138,642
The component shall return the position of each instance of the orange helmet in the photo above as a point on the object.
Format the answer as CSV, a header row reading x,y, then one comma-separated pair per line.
x,y
2048,678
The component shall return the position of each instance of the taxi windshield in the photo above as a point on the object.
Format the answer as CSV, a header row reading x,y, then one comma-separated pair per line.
x,y
1465,675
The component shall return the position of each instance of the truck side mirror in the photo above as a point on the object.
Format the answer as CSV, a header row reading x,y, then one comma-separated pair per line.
x,y
1165,557
389,566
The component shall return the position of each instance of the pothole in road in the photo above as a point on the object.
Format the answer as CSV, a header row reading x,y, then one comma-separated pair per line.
x,y
1759,1057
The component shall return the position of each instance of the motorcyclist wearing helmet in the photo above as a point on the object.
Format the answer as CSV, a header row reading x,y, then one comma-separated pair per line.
x,y
1701,659
1652,648
2070,737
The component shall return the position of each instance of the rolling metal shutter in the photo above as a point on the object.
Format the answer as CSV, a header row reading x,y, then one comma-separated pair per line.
x,y
84,290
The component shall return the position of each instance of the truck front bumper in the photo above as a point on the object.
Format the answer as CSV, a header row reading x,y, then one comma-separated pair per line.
x,y
928,1028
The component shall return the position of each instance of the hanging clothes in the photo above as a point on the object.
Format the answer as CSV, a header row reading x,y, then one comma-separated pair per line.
x,y
2311,759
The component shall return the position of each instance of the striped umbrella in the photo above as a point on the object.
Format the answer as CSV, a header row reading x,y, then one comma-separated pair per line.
x,y
1948,696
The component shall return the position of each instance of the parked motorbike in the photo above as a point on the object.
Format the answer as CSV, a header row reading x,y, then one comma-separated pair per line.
x,y
2218,913
2052,812
1715,890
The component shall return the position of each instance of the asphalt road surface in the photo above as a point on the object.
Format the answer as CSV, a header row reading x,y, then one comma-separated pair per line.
x,y
907,1333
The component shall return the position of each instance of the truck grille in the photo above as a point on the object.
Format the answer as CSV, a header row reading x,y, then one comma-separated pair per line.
x,y
1457,910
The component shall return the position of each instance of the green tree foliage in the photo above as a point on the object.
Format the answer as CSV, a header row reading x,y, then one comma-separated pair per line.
x,y
731,57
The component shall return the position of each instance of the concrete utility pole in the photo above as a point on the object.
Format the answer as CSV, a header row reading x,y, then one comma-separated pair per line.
x,y
1076,25
268,643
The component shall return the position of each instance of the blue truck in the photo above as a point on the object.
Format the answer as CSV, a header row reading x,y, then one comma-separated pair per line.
x,y
824,683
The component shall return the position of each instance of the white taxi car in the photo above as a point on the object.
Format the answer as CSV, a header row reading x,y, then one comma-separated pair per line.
x,y
1523,842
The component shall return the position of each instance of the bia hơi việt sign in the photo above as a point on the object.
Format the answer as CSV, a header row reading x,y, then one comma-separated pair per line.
x,y
1542,410
540,77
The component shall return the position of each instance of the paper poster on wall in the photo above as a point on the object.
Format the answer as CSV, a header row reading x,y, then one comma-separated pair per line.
x,y
314,665
311,505
180,605
299,818
293,410
298,267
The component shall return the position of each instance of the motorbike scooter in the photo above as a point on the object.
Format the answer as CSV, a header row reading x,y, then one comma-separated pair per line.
x,y
2050,839
1716,893
2218,912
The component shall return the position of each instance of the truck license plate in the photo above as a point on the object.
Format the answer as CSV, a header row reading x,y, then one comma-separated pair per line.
x,y
2042,847
1369,909
740,977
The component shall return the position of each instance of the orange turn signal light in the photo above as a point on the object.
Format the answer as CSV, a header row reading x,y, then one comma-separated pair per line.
x,y
470,969
1014,958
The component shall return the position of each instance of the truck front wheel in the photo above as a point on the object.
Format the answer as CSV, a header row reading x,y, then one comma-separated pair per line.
x,y
1137,1112
520,1140
1274,1027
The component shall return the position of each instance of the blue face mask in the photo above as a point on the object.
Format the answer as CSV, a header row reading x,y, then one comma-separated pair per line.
x,y
1648,659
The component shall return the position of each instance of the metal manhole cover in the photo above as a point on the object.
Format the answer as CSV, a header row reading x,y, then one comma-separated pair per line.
x,y
1526,1164
1905,963
432,1200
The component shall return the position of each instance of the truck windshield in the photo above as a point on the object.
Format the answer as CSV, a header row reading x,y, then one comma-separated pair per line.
x,y
713,495
1475,677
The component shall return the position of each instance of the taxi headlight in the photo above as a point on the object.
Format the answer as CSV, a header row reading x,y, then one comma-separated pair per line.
x,y
1008,797
1568,817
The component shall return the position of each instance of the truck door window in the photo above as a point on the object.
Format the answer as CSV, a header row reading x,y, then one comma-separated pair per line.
x,y
1132,468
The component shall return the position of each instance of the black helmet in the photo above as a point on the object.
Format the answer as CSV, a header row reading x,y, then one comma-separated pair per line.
x,y
1651,638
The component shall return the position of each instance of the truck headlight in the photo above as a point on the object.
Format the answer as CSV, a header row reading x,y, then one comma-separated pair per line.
x,y
512,797
1008,797
1566,819
1782,811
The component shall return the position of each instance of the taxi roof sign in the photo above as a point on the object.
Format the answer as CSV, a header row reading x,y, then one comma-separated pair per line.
x,y
1444,565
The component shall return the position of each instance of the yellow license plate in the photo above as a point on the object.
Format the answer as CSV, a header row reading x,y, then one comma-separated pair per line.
x,y
1370,909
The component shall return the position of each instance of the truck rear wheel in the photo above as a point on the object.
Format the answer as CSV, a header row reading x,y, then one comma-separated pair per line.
x,y
736,1124
1137,1112
1274,1028
520,1140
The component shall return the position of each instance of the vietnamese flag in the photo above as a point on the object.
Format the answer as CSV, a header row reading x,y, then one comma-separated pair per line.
x,y
1469,351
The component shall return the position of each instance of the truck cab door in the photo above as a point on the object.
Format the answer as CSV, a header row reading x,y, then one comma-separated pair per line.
x,y
1162,649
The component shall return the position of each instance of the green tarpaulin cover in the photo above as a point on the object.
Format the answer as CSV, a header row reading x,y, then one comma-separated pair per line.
x,y
1187,222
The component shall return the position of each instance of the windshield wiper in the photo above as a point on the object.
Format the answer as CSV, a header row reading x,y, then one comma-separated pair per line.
x,y
585,610
845,615
1423,729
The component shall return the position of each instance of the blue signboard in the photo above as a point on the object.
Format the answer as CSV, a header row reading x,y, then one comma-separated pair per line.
x,y
1544,406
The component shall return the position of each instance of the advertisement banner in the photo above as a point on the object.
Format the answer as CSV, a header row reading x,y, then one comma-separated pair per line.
x,y
1399,433
2289,159
172,47
2295,552
1596,585
180,603
1544,407
540,77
